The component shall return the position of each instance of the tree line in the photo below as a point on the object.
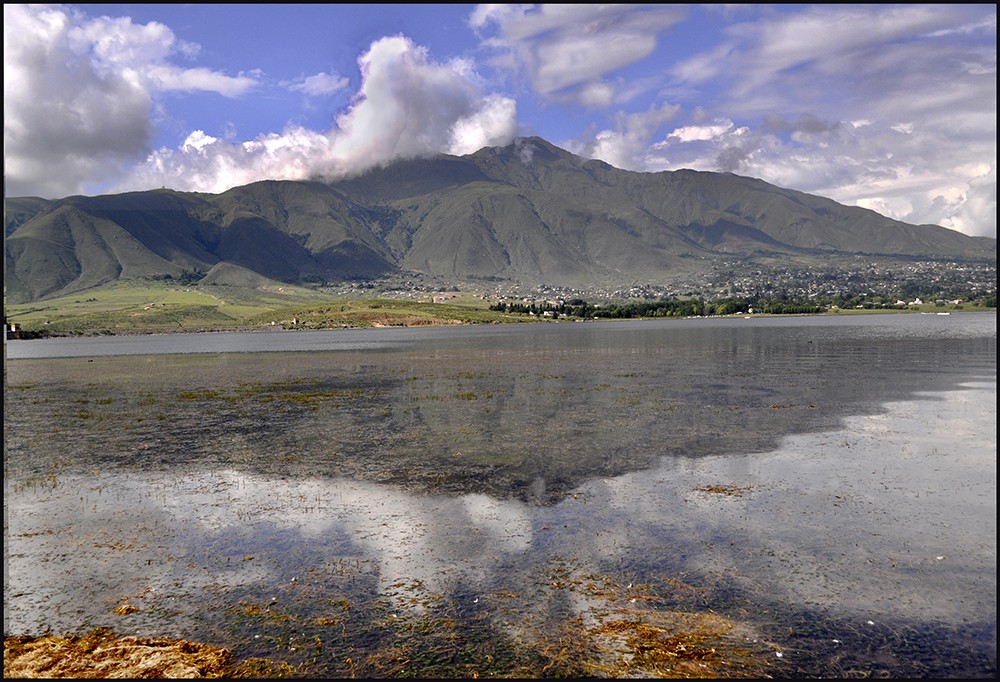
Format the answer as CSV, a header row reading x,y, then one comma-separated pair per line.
x,y
701,307
671,307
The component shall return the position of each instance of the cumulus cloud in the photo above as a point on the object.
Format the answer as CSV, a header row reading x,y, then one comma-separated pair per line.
x,y
407,106
493,123
885,106
628,144
81,96
697,133
973,211
717,145
566,50
79,93
56,104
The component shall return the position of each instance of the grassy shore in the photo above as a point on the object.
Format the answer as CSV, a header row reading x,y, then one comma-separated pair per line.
x,y
136,307
128,307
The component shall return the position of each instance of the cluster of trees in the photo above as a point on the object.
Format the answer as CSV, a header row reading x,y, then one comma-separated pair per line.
x,y
672,307
696,306
185,278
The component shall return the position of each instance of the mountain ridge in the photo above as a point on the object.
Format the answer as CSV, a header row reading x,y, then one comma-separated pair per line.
x,y
528,212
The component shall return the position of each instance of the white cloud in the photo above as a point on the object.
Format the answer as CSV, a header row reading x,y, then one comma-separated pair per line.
x,y
877,105
597,94
628,145
67,119
80,97
701,132
403,101
889,107
502,13
320,84
407,106
410,106
565,50
197,141
821,41
167,77
903,172
143,52
493,123
79,93
973,211
704,66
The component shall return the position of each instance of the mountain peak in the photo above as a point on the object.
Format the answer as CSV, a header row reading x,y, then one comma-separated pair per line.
x,y
528,150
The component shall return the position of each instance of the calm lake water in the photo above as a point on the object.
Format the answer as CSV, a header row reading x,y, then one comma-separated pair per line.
x,y
824,486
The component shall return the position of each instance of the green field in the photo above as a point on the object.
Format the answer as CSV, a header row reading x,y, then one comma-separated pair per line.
x,y
131,306
151,306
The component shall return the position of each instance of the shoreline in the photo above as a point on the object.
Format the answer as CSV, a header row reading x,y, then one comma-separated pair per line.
x,y
33,335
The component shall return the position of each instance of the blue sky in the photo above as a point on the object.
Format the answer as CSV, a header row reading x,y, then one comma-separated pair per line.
x,y
890,107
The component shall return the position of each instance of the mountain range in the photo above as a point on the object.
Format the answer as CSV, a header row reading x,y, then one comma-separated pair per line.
x,y
529,212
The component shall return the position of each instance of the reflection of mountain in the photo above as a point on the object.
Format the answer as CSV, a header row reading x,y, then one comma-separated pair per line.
x,y
833,529
502,463
600,401
528,212
527,415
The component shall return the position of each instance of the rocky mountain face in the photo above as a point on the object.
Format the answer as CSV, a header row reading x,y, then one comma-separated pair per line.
x,y
529,212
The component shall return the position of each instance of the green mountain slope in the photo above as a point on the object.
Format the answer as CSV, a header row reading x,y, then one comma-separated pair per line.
x,y
528,212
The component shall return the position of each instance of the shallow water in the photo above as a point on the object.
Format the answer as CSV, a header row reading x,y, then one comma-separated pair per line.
x,y
829,483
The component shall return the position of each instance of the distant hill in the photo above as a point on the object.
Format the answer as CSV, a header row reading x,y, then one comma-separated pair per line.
x,y
528,212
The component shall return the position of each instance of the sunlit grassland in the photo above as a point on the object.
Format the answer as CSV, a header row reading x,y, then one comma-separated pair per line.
x,y
154,306
349,312
922,308
133,306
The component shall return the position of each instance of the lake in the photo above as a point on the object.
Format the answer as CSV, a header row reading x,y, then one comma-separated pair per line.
x,y
801,496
